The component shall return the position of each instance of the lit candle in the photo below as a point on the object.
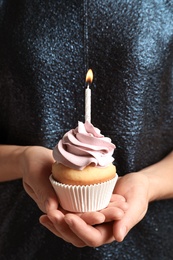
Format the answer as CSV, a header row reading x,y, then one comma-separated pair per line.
x,y
89,79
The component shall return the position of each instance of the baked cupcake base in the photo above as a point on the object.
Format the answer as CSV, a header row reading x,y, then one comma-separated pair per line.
x,y
88,198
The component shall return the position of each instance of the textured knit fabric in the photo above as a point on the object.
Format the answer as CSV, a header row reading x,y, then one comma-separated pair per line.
x,y
46,48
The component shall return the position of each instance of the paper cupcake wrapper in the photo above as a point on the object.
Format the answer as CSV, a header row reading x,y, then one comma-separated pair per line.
x,y
87,198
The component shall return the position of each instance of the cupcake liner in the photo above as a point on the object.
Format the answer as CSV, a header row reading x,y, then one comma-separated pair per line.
x,y
76,198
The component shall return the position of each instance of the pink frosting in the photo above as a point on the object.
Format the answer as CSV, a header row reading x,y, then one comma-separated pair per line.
x,y
82,146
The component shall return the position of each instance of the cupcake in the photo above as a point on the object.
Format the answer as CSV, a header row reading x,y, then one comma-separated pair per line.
x,y
83,175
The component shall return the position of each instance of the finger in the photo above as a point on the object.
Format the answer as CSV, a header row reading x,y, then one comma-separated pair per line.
x,y
45,221
92,218
123,205
101,234
119,231
108,214
62,230
112,213
30,191
131,217
33,195
117,197
46,194
43,194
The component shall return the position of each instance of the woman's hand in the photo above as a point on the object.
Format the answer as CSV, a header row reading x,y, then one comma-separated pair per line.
x,y
96,228
114,224
36,163
128,206
77,230
154,182
135,187
86,229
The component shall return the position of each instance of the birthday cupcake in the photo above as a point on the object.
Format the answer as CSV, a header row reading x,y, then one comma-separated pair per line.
x,y
83,175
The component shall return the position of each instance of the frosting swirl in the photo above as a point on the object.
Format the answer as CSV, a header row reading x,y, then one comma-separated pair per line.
x,y
82,146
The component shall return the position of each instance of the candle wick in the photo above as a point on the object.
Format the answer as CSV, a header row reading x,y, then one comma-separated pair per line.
x,y
88,85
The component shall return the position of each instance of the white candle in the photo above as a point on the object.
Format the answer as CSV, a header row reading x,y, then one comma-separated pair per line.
x,y
88,104
89,79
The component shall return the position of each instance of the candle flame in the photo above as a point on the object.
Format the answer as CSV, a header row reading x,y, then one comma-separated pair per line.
x,y
89,76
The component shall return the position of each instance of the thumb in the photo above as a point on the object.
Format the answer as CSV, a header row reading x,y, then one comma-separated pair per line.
x,y
131,217
43,194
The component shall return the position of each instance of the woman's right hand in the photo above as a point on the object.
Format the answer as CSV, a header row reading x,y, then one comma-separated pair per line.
x,y
36,163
